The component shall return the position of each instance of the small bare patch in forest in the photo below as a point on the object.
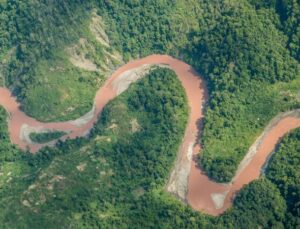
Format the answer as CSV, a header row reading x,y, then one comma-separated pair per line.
x,y
135,126
81,167
103,138
57,69
103,160
97,28
33,186
113,126
78,56
26,203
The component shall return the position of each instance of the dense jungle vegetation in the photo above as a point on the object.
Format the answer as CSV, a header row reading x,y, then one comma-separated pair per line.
x,y
35,57
45,137
284,171
111,181
252,77
248,51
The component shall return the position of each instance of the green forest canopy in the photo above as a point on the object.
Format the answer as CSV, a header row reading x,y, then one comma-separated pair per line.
x,y
248,51
110,180
44,137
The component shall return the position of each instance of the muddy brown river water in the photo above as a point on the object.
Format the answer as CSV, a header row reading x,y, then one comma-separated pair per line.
x,y
200,192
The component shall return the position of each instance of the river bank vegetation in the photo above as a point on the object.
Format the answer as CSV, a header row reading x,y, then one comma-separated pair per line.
x,y
45,137
109,180
248,51
38,51
284,171
239,48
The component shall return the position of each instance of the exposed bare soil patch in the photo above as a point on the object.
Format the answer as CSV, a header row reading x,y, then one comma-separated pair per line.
x,y
84,53
78,56
135,126
97,28
128,77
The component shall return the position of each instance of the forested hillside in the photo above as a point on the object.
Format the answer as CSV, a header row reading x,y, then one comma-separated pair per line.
x,y
40,50
289,15
241,49
110,180
55,54
284,171
247,51
252,77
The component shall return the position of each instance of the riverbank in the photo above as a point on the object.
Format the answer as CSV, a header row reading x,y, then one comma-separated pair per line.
x,y
187,180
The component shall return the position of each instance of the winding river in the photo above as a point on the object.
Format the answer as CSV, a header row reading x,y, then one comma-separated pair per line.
x,y
187,181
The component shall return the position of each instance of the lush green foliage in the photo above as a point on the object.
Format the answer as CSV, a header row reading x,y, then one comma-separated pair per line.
x,y
7,151
238,47
247,50
289,13
46,137
140,28
234,120
34,34
155,112
284,171
251,76
61,91
257,205
113,181
34,57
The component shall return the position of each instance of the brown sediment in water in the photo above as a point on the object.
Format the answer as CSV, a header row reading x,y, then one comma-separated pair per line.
x,y
200,192
200,185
